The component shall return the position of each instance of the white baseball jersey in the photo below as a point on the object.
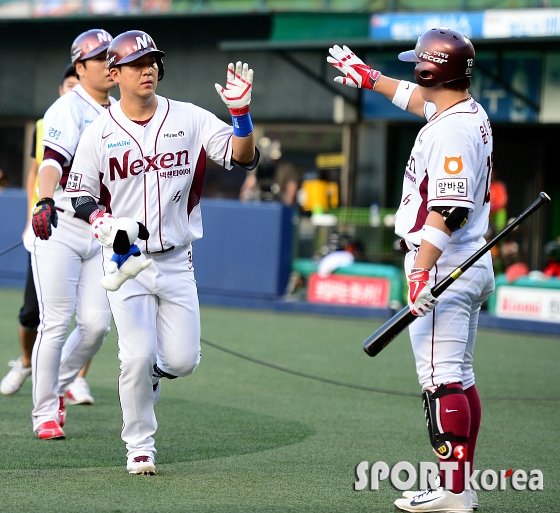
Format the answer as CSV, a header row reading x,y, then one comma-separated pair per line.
x,y
450,165
156,171
64,122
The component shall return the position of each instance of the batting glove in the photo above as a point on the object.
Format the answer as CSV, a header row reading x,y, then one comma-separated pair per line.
x,y
44,217
104,227
420,299
358,74
239,85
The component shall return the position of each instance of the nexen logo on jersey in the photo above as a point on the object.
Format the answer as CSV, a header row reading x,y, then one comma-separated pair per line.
x,y
119,144
161,161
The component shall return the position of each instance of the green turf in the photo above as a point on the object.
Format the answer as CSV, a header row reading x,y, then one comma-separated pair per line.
x,y
241,437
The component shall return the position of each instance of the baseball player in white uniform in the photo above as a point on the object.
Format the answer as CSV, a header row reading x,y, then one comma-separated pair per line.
x,y
66,259
144,159
442,218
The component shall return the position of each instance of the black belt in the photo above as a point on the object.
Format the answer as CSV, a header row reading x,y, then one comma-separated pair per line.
x,y
162,251
75,215
404,246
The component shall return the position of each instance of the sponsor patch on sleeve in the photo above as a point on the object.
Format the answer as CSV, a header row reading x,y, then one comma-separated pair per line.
x,y
451,188
74,181
453,165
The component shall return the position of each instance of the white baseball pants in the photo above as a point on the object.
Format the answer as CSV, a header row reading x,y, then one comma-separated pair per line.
x,y
67,269
158,322
443,341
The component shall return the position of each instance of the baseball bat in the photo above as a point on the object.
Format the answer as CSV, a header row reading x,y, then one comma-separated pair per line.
x,y
389,331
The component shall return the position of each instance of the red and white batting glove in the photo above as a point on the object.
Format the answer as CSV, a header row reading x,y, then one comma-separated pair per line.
x,y
358,74
420,299
237,93
104,227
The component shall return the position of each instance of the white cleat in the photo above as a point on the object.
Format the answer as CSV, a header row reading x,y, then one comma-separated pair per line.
x,y
409,494
141,465
15,379
79,393
437,501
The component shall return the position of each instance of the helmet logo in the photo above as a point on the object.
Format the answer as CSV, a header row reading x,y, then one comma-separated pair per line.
x,y
142,42
103,36
453,165
438,60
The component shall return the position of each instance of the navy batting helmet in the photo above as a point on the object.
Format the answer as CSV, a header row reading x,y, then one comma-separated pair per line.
x,y
89,44
132,45
442,56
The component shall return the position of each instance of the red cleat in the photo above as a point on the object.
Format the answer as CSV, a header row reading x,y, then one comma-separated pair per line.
x,y
61,411
49,430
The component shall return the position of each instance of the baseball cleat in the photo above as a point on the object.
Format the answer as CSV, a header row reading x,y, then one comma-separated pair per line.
x,y
409,494
15,379
49,430
61,411
79,393
141,465
437,501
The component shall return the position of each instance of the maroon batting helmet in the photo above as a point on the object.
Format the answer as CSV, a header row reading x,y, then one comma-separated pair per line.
x,y
89,44
132,45
442,56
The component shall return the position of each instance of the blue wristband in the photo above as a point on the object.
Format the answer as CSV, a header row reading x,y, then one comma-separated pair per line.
x,y
242,125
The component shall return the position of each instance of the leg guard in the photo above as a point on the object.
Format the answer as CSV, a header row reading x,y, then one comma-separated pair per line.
x,y
440,441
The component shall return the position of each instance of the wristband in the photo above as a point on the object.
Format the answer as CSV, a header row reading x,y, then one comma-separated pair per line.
x,y
50,162
435,237
403,93
94,215
242,124
374,76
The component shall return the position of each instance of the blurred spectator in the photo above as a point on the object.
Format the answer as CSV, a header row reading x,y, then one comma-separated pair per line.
x,y
552,255
271,182
3,180
340,251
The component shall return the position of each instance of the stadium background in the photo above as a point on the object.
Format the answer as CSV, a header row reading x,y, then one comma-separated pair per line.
x,y
240,435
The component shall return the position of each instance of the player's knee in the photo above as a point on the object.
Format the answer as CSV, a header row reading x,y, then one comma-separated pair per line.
x,y
185,366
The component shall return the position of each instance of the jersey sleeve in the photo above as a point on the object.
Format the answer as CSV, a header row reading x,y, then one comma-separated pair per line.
x,y
62,128
217,138
83,178
452,168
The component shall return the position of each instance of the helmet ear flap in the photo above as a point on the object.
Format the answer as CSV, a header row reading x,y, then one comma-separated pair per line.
x,y
159,62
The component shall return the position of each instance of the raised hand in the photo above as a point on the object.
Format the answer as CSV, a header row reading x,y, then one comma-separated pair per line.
x,y
358,74
237,93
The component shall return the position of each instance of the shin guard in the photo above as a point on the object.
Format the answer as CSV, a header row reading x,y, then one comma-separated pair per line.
x,y
440,440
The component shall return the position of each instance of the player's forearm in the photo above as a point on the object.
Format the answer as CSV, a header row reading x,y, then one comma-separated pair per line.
x,y
243,148
30,187
49,176
428,254
386,86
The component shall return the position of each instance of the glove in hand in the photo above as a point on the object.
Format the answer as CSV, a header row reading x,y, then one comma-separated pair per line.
x,y
237,93
44,218
104,228
358,74
420,299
